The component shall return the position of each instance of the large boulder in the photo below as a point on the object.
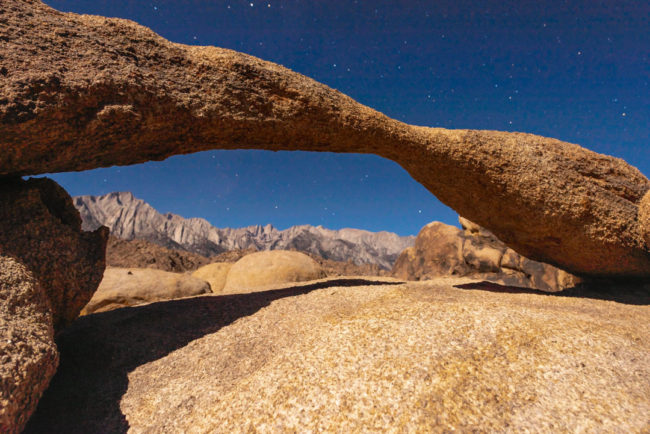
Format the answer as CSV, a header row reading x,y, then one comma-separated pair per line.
x,y
28,355
215,274
263,270
133,97
122,287
41,229
444,250
420,357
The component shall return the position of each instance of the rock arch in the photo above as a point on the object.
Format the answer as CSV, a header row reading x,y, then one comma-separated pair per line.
x,y
80,92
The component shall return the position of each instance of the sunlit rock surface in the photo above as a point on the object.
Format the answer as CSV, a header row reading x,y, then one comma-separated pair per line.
x,y
122,287
442,250
443,355
28,355
79,92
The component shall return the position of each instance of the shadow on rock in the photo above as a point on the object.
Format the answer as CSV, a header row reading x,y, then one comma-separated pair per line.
x,y
635,293
98,352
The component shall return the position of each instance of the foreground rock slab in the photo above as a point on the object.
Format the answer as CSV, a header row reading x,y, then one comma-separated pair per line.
x,y
444,355
41,229
442,250
28,355
79,92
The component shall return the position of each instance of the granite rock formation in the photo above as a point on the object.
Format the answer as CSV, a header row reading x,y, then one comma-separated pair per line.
x,y
79,92
443,250
139,253
123,287
41,229
261,270
215,274
130,218
443,355
347,268
28,355
644,218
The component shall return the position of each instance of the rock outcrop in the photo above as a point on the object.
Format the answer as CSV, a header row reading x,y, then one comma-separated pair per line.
x,y
348,268
262,270
79,92
41,229
28,355
426,356
130,218
123,287
144,254
215,274
443,250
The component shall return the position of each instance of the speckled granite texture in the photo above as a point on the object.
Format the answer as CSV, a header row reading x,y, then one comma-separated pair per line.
x,y
417,357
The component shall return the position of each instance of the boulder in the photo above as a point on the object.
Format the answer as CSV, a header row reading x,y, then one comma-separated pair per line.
x,y
417,357
215,274
133,97
262,270
28,355
122,287
444,250
41,229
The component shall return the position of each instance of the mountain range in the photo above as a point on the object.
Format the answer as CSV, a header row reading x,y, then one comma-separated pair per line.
x,y
130,218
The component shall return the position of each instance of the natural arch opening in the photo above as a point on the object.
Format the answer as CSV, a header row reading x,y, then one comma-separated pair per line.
x,y
352,209
142,98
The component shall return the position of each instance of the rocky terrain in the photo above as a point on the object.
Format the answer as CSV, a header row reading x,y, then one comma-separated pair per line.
x,y
49,270
80,92
442,250
134,97
144,254
441,355
130,218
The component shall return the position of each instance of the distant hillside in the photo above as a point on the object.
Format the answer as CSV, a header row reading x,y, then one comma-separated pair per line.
x,y
130,218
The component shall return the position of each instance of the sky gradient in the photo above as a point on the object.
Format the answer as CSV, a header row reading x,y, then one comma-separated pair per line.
x,y
577,71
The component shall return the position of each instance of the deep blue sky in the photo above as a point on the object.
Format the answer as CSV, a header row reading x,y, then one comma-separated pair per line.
x,y
573,70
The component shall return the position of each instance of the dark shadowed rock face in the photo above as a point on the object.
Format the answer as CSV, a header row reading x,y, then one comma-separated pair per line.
x,y
41,229
28,355
79,92
443,250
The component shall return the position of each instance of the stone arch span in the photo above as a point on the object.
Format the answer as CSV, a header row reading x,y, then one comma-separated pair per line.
x,y
80,92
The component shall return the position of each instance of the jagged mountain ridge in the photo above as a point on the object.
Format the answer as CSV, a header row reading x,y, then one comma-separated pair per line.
x,y
129,218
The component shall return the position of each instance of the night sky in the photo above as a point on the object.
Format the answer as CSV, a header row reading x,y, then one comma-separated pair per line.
x,y
574,70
